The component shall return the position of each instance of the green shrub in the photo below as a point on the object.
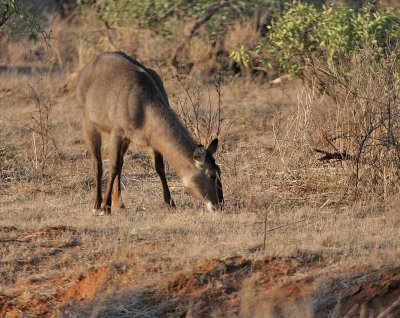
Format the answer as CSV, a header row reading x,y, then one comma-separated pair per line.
x,y
15,17
165,15
305,33
182,23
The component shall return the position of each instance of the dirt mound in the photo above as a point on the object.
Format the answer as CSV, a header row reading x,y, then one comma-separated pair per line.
x,y
226,288
220,288
87,286
380,295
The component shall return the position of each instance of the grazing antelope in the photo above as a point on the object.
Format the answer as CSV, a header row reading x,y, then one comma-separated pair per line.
x,y
120,96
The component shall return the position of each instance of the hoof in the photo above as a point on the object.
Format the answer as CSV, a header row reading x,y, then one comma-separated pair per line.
x,y
118,205
171,204
101,212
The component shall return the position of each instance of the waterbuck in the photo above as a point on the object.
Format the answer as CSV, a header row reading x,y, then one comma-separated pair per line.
x,y
119,96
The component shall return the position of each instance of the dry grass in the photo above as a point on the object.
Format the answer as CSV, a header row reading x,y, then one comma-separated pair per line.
x,y
360,121
280,202
289,231
243,32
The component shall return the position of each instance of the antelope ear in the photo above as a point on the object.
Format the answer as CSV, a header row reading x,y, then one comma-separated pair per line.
x,y
212,147
199,154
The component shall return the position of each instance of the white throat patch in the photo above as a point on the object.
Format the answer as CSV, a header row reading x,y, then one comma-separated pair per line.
x,y
185,181
209,206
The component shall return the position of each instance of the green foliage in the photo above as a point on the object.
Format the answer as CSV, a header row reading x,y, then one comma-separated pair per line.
x,y
157,15
164,15
15,18
241,57
304,33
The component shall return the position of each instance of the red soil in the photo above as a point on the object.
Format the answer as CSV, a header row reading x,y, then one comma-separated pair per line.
x,y
216,286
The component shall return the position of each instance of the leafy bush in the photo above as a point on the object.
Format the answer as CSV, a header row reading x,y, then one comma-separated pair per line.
x,y
15,17
185,21
304,34
354,57
161,15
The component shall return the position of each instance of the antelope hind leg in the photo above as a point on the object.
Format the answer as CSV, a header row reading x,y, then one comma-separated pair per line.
x,y
115,166
93,142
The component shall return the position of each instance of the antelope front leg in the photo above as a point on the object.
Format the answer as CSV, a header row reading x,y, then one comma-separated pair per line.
x,y
115,166
116,193
98,168
159,166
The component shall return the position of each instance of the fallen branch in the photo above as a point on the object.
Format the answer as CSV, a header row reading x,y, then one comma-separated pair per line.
x,y
334,155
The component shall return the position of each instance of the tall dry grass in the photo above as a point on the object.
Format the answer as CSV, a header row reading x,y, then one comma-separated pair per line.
x,y
357,124
281,201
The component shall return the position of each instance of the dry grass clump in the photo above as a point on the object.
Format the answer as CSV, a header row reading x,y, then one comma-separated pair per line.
x,y
301,177
30,153
272,165
12,168
358,125
199,53
342,145
244,32
44,147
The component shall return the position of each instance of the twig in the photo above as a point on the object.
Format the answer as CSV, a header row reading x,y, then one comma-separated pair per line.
x,y
265,229
310,220
387,311
352,311
54,206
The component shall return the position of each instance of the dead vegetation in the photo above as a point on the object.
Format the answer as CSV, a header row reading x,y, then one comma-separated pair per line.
x,y
281,203
293,238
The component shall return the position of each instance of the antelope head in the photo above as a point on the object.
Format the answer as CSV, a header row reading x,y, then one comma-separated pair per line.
x,y
206,182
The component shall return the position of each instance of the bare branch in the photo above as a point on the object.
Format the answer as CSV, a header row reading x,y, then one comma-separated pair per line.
x,y
211,11
334,155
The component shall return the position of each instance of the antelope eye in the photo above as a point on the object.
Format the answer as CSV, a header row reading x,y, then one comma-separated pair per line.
x,y
212,174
